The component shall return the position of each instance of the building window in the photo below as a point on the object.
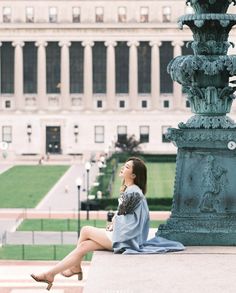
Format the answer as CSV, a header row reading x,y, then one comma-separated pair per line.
x,y
7,134
121,134
164,131
53,68
99,68
166,104
99,134
99,104
29,14
30,68
122,68
144,104
166,55
166,14
122,104
144,11
187,104
6,14
122,14
99,14
52,14
144,134
75,14
144,68
7,104
7,68
76,68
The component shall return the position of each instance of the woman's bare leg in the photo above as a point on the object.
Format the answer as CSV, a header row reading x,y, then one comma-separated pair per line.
x,y
90,233
91,239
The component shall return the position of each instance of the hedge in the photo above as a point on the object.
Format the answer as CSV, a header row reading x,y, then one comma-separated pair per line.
x,y
155,204
122,157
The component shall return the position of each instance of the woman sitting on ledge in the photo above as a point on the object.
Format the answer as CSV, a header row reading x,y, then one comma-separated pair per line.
x,y
127,234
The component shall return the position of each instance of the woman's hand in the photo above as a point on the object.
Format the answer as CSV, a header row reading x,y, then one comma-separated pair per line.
x,y
109,226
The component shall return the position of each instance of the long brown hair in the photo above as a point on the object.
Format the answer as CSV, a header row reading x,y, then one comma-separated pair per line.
x,y
140,172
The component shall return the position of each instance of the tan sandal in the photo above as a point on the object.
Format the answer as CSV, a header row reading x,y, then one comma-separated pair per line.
x,y
44,280
69,273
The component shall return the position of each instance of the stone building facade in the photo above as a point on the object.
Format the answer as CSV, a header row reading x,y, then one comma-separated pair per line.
x,y
78,75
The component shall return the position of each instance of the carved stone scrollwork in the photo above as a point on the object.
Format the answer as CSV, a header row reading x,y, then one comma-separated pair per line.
x,y
200,121
210,6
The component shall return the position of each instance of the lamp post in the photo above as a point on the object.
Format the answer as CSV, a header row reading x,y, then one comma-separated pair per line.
x,y
78,184
29,132
100,166
76,132
87,168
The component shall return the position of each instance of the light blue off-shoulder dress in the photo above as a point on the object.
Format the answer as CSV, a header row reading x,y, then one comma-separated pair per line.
x,y
131,227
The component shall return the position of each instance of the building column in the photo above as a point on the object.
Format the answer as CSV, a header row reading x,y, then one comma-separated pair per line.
x,y
65,75
42,100
0,71
88,75
111,91
155,74
177,91
18,75
133,74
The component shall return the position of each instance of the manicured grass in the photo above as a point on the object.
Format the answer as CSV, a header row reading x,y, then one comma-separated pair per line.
x,y
57,225
37,252
160,181
65,225
25,186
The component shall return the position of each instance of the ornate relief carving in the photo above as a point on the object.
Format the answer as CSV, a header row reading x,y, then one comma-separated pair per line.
x,y
214,180
201,135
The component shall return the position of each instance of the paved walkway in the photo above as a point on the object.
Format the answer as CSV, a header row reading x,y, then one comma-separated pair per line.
x,y
64,194
4,167
15,278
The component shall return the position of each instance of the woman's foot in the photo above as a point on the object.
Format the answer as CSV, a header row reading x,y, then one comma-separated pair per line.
x,y
45,278
69,273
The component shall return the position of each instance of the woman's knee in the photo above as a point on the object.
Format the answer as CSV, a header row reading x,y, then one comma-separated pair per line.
x,y
85,230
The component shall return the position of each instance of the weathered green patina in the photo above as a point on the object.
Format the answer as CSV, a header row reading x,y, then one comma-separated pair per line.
x,y
204,204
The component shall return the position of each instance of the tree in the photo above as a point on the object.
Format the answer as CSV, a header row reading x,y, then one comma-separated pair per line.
x,y
129,144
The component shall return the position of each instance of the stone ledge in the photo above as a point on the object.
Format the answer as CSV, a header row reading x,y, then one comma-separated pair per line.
x,y
192,270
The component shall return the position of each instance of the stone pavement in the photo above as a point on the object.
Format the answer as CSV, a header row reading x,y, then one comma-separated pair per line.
x,y
15,278
4,167
197,269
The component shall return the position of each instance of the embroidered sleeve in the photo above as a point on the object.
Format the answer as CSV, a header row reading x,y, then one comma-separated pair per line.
x,y
128,203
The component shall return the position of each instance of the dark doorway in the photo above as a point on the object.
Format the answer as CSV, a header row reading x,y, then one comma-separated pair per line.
x,y
53,139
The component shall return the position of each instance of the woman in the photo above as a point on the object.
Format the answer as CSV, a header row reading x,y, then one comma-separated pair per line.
x,y
127,234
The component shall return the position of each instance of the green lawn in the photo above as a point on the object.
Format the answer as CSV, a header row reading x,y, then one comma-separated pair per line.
x,y
160,180
25,186
65,225
37,252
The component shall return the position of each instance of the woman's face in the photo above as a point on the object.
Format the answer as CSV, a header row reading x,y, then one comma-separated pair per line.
x,y
126,170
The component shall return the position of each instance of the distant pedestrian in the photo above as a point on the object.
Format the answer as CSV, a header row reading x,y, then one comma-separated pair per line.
x,y
66,189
